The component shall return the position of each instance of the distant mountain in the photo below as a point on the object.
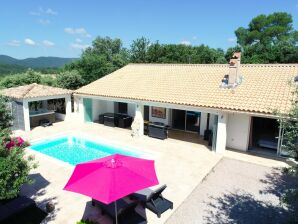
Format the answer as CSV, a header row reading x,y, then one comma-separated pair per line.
x,y
40,62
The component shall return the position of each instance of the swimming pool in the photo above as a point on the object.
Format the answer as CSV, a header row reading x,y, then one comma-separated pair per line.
x,y
74,149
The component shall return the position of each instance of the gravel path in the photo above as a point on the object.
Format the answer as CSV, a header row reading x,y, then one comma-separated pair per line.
x,y
236,192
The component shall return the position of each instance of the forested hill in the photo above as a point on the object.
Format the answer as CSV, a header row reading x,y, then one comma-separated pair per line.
x,y
39,62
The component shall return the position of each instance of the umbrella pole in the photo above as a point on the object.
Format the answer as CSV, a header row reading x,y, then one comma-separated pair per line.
x,y
116,215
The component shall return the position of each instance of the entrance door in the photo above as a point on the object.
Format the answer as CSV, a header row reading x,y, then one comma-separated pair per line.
x,y
193,121
264,135
178,119
87,109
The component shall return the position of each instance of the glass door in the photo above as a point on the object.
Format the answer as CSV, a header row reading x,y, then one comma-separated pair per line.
x,y
87,109
193,121
178,119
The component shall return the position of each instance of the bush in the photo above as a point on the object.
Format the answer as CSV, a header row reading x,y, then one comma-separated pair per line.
x,y
14,170
70,80
14,166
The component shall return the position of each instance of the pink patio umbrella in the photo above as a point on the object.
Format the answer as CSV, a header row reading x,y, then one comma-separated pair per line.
x,y
111,178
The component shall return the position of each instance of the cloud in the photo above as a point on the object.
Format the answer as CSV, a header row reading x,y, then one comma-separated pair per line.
x,y
78,40
185,42
49,11
42,11
44,21
14,43
30,42
232,39
79,46
77,31
47,43
194,37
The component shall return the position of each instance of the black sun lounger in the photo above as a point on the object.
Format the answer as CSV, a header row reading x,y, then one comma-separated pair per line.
x,y
153,200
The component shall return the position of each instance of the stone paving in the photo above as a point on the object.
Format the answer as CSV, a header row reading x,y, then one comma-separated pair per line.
x,y
179,164
237,192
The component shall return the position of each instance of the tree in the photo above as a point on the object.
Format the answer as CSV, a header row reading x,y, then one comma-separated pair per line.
x,y
139,50
268,39
289,123
103,57
267,30
30,76
70,80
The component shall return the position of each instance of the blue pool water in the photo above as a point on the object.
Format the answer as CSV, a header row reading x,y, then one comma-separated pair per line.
x,y
74,150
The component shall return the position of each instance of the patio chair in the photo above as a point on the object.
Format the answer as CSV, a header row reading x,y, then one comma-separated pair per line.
x,y
158,130
129,216
153,200
109,209
125,211
110,119
124,121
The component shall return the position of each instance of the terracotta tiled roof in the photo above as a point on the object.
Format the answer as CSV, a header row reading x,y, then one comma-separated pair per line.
x,y
264,88
33,90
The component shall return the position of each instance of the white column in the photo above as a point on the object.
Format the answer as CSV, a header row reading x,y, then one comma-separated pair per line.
x,y
221,137
203,123
67,106
138,122
26,115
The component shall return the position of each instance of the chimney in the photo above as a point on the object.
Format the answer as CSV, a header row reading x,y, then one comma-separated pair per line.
x,y
234,68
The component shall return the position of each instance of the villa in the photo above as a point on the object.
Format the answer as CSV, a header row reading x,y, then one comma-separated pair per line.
x,y
224,106
237,103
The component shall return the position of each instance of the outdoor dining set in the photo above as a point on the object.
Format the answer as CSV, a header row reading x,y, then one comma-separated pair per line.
x,y
152,129
117,185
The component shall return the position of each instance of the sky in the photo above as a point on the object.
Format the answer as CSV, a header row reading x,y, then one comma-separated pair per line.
x,y
64,28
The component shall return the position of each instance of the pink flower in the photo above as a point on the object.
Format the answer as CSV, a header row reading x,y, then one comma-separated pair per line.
x,y
17,141
20,141
9,145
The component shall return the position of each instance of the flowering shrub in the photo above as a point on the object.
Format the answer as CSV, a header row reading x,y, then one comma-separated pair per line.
x,y
16,142
14,165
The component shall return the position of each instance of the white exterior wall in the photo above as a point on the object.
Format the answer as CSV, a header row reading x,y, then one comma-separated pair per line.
x,y
221,133
26,115
98,107
203,123
211,121
238,131
166,121
67,106
79,108
110,106
131,109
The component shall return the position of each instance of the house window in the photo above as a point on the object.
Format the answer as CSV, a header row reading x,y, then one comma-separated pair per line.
x,y
158,112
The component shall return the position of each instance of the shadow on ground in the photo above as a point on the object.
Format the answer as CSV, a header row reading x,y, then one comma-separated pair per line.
x,y
94,213
37,191
244,208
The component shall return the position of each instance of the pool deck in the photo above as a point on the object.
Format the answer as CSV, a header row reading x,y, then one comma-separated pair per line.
x,y
182,165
